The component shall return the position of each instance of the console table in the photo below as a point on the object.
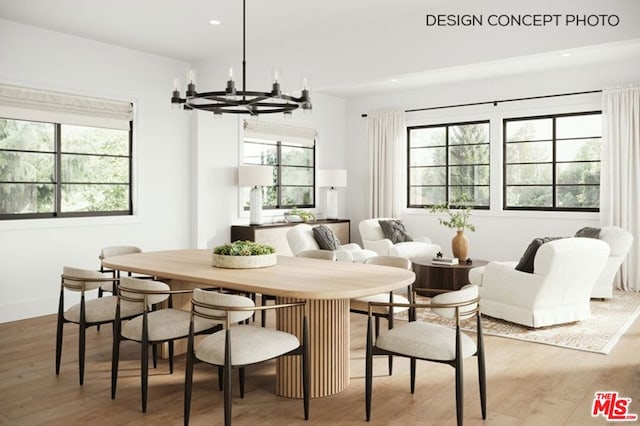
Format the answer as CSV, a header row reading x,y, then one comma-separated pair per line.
x,y
275,234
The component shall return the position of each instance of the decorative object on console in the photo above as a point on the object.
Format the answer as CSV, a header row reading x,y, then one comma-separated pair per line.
x,y
256,177
242,101
296,215
243,255
332,179
459,214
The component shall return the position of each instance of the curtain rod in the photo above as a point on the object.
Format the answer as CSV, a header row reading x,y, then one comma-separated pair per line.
x,y
496,102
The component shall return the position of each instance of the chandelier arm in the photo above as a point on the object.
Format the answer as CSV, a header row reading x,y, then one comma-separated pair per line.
x,y
243,101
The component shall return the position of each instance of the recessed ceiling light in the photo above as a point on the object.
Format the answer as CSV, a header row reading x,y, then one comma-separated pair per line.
x,y
566,54
214,22
394,80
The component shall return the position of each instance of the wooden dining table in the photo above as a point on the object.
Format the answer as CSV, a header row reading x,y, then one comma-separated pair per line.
x,y
326,286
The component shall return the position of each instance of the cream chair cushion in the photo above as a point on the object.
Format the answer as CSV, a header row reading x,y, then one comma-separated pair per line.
x,y
420,339
249,345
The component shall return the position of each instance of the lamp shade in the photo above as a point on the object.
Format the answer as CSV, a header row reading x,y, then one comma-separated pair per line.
x,y
255,176
332,178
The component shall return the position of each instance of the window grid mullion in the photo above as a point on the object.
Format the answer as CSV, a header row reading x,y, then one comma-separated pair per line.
x,y
554,203
57,166
280,202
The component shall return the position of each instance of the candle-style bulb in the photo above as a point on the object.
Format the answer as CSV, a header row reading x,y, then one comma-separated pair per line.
x,y
230,73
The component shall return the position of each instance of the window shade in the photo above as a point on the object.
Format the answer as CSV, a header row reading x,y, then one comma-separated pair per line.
x,y
24,103
267,130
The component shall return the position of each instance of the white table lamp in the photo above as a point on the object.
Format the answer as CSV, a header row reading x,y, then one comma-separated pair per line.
x,y
256,177
332,179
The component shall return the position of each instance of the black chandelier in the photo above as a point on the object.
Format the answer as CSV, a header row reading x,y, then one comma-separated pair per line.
x,y
232,101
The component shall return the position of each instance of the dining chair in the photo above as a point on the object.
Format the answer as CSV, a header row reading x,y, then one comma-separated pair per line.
x,y
86,313
360,305
421,340
151,327
239,345
110,251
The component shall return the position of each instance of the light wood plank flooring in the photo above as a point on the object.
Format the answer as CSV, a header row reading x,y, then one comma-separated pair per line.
x,y
528,384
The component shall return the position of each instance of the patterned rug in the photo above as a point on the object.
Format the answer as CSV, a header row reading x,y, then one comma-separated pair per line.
x,y
609,320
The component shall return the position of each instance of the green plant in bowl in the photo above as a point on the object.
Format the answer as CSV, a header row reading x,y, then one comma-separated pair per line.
x,y
304,215
243,248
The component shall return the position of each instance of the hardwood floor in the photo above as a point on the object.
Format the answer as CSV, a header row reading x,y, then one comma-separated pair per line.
x,y
528,384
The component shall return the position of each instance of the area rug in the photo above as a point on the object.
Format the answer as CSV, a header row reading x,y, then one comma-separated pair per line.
x,y
609,320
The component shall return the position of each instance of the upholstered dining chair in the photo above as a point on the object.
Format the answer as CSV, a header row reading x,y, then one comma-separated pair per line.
x,y
110,251
360,305
151,327
420,340
87,313
239,345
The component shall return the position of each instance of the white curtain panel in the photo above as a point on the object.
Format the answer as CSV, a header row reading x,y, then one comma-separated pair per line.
x,y
620,173
387,133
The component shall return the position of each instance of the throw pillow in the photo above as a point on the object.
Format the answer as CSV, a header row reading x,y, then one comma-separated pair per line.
x,y
526,261
325,238
588,232
394,230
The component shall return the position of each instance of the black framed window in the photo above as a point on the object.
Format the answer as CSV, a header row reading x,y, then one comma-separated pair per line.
x,y
61,170
293,167
446,161
552,162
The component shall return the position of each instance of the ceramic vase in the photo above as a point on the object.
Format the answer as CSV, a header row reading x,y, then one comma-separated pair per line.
x,y
460,246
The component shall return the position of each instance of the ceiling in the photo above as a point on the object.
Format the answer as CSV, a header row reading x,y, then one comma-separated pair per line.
x,y
345,47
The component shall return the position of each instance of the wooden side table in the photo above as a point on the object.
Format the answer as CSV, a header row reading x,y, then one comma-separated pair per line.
x,y
445,277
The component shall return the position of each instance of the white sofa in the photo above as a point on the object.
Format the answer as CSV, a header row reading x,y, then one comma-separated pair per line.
x,y
300,239
373,239
619,241
558,291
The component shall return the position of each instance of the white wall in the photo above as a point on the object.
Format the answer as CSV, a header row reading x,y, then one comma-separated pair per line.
x,y
501,235
185,163
32,252
217,159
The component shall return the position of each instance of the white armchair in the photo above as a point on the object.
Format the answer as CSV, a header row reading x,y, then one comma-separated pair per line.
x,y
373,239
301,239
558,291
619,241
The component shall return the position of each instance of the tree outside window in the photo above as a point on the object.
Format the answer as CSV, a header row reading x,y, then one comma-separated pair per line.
x,y
54,169
552,162
447,162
